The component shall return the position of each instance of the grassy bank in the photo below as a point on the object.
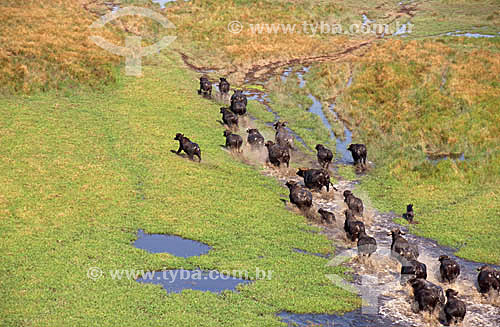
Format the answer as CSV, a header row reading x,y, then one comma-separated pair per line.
x,y
82,173
441,99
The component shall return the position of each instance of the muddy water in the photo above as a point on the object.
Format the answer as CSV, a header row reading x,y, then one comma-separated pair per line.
x,y
377,279
379,275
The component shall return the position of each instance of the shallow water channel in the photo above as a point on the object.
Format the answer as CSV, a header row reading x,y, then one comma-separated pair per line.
x,y
377,279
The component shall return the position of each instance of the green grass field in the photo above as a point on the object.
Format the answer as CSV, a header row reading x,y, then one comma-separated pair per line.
x,y
83,172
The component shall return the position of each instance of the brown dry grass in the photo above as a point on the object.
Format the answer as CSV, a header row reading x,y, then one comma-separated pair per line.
x,y
203,34
45,45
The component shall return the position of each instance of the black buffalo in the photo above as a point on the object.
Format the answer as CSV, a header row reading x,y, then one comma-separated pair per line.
x,y
358,152
325,156
190,148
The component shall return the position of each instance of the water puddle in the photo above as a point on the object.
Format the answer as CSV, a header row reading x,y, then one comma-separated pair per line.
x,y
175,245
366,21
285,74
403,30
471,35
162,3
435,159
300,76
175,281
349,319
342,142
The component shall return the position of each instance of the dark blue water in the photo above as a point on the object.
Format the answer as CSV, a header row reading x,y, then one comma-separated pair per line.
x,y
176,245
342,143
174,281
349,319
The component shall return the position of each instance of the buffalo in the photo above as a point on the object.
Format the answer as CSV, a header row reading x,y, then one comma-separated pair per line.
x,y
352,227
366,244
409,215
224,86
326,216
315,179
427,295
255,139
233,141
238,96
412,269
229,118
325,156
488,279
353,203
205,87
299,196
238,108
190,148
400,248
282,136
449,269
358,152
277,155
454,308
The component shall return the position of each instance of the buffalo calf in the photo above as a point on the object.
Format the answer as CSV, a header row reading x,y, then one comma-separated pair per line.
x,y
409,215
326,216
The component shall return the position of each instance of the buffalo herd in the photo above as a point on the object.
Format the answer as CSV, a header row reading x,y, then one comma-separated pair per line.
x,y
427,296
